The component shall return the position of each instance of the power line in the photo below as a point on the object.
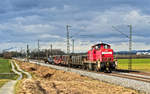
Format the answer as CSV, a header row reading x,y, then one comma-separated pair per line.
x,y
120,31
130,44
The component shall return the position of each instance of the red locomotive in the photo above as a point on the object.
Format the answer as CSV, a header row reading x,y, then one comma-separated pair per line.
x,y
99,58
101,55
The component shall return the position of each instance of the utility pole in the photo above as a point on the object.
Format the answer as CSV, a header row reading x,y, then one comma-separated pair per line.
x,y
72,46
16,53
21,52
68,38
27,53
46,52
130,48
51,47
38,50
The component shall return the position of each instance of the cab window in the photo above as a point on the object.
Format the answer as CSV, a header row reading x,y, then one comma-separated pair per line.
x,y
97,47
106,47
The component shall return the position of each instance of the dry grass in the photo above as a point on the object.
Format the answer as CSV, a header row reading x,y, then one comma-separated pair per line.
x,y
50,81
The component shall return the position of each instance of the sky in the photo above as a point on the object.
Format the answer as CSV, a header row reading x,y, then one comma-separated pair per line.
x,y
24,22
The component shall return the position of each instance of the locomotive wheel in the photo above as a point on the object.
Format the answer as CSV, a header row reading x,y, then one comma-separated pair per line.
x,y
102,67
110,70
96,68
106,70
90,66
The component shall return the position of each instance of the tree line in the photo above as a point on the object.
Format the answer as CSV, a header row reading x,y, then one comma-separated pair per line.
x,y
32,54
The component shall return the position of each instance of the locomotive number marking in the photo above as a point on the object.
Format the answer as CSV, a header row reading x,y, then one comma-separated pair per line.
x,y
106,52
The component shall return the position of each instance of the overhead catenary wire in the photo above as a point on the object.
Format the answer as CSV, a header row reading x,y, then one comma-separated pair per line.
x,y
120,31
130,44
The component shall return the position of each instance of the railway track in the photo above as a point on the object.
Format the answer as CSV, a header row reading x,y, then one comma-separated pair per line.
x,y
138,76
134,75
141,76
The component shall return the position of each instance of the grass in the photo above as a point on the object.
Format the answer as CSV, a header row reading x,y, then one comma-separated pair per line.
x,y
6,73
5,70
5,66
137,64
17,87
3,81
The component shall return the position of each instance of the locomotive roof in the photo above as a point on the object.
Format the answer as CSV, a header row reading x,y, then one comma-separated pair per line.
x,y
100,44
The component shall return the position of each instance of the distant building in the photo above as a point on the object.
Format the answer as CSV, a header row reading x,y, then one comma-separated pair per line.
x,y
143,53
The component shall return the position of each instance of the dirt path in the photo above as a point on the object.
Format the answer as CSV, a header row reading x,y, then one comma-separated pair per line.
x,y
19,69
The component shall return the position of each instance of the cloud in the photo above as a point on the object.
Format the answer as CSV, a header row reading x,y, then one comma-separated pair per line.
x,y
26,21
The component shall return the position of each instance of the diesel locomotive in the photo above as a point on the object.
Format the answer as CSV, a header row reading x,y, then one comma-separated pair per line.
x,y
98,58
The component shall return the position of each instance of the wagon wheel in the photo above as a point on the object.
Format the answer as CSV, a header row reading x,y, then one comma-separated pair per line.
x,y
69,65
83,66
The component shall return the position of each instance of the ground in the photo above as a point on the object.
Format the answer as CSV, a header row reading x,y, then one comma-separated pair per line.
x,y
137,64
3,81
5,67
51,81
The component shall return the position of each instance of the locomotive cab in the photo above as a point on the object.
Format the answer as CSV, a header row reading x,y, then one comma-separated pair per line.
x,y
100,52
103,54
107,53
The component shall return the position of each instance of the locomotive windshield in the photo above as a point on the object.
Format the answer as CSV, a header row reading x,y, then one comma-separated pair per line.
x,y
99,46
106,47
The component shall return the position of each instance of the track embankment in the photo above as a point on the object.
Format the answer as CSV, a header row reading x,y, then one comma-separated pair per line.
x,y
139,85
47,80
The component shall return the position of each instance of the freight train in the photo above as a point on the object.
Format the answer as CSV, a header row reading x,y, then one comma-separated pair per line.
x,y
99,58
